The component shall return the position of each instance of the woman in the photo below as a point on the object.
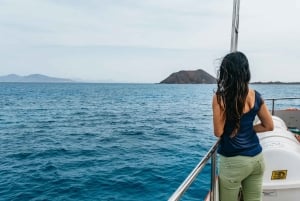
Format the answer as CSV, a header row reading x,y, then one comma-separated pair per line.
x,y
235,106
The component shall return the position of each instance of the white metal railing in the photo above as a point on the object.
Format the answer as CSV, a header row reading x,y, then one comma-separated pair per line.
x,y
276,99
211,154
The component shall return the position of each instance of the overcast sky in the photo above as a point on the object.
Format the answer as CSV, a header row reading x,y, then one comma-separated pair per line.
x,y
144,41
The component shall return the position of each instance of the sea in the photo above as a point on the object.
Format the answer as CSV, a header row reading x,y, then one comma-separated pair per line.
x,y
108,142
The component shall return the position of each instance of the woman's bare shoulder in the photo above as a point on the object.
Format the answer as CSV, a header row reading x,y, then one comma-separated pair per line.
x,y
250,101
251,93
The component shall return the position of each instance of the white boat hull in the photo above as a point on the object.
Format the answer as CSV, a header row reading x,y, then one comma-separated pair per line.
x,y
281,151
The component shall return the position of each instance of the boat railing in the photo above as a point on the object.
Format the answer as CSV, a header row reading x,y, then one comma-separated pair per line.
x,y
277,99
211,154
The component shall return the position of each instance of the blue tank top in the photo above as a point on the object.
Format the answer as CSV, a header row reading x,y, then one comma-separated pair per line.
x,y
246,142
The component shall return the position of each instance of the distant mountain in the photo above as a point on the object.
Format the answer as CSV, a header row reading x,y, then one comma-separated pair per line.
x,y
190,77
32,78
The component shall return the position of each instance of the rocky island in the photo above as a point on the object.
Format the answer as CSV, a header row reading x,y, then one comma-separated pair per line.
x,y
190,77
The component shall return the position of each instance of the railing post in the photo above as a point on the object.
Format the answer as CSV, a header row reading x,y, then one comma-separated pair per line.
x,y
235,26
213,176
273,105
192,176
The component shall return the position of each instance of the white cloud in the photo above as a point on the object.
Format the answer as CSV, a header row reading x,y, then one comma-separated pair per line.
x,y
96,39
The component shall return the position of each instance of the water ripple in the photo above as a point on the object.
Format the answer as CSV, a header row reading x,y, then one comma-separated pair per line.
x,y
105,141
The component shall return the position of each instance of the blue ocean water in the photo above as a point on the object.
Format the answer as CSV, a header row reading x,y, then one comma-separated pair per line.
x,y
107,141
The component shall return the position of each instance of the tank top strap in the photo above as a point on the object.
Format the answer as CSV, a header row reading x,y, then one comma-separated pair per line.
x,y
258,99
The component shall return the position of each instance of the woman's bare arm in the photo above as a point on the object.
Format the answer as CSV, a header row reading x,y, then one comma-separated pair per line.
x,y
218,117
266,121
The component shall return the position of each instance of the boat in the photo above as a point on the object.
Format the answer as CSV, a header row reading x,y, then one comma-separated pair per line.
x,y
281,149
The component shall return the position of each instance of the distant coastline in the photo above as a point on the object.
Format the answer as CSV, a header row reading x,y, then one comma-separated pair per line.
x,y
202,77
37,78
275,83
187,77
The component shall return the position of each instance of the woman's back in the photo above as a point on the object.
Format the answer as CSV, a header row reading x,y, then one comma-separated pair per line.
x,y
245,142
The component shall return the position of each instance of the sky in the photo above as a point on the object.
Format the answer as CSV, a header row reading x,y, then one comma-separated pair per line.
x,y
144,41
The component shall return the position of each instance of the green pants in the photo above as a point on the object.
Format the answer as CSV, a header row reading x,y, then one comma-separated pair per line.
x,y
241,171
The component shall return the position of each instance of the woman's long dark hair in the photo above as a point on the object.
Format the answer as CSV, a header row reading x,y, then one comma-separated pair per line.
x,y
233,78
